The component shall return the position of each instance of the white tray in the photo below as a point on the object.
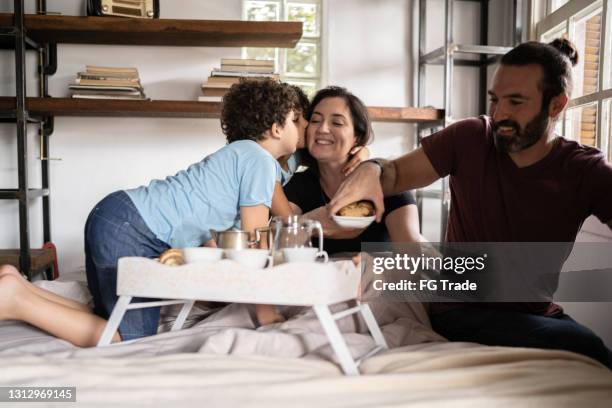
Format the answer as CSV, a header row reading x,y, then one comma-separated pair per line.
x,y
301,284
292,284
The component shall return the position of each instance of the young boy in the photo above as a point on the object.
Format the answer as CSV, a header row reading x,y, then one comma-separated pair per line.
x,y
235,184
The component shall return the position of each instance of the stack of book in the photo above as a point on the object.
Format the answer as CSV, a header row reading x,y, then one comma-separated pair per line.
x,y
232,70
108,83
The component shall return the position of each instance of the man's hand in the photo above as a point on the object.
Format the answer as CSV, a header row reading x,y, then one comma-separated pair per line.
x,y
330,228
362,184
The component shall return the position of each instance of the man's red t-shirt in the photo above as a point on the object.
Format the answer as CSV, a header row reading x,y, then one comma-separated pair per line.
x,y
493,200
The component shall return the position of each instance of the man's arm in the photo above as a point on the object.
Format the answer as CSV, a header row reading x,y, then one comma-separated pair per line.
x,y
407,172
412,170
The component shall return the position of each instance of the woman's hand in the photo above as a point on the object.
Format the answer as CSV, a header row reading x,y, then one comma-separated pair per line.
x,y
362,184
360,154
330,228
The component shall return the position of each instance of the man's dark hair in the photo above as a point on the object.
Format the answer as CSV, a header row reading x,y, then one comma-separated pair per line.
x,y
359,112
556,59
251,107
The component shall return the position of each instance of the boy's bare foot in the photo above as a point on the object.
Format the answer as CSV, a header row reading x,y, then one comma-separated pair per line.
x,y
9,270
10,290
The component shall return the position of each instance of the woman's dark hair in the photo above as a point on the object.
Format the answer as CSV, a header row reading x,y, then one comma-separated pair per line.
x,y
303,101
359,113
251,107
556,59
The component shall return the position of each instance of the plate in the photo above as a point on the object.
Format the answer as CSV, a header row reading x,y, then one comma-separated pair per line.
x,y
353,222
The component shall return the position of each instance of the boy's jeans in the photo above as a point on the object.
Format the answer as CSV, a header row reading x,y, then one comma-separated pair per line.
x,y
115,229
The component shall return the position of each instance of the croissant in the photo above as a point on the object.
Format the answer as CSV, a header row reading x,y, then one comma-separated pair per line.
x,y
172,257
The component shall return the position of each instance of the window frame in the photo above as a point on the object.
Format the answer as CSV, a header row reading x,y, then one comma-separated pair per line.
x,y
281,54
564,15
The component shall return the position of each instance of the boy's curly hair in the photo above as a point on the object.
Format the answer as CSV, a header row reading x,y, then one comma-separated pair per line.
x,y
251,107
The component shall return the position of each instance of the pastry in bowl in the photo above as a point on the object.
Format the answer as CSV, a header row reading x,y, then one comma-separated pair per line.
x,y
361,208
356,215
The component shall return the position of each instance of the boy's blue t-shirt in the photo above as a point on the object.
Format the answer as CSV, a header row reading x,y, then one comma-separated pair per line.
x,y
181,209
293,162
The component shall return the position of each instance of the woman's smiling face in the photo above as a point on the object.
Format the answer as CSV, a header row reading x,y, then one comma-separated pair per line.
x,y
330,132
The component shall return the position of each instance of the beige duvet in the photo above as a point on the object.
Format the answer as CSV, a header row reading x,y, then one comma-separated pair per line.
x,y
223,360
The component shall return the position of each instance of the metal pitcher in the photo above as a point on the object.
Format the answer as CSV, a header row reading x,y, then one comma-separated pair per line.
x,y
233,239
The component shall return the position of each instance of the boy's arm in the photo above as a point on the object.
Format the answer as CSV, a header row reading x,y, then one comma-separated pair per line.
x,y
280,205
253,217
360,154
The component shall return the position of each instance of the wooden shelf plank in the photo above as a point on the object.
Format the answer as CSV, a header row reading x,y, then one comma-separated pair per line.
x,y
182,109
40,258
170,32
116,108
408,115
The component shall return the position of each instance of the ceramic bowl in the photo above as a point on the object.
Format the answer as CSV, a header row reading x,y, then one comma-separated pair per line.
x,y
353,222
253,258
202,254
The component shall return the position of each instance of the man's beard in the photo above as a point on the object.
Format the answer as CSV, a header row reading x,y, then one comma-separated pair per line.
x,y
522,138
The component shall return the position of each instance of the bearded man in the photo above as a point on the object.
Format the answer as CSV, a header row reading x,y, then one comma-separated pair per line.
x,y
512,179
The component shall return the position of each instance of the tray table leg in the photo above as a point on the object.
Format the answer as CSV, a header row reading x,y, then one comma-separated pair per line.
x,y
372,325
114,320
182,316
336,340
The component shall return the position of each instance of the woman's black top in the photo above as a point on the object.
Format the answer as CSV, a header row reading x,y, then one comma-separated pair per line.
x,y
304,190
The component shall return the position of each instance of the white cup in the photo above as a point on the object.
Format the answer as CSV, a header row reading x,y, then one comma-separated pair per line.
x,y
251,257
304,254
202,254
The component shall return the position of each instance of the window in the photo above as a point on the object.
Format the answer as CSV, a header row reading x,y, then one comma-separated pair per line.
x,y
302,65
587,118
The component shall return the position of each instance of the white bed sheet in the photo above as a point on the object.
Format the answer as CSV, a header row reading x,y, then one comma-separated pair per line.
x,y
224,360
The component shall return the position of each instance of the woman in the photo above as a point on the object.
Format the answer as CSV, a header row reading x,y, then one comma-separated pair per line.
x,y
339,122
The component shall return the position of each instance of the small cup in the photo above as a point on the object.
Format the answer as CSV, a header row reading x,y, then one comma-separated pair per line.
x,y
202,254
304,254
251,257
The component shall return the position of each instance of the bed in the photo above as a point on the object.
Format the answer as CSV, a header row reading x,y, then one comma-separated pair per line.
x,y
223,360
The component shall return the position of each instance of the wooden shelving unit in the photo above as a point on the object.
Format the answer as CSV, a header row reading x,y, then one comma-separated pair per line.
x,y
40,258
44,31
182,109
166,32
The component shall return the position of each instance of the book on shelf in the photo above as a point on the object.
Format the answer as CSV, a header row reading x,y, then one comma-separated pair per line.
x,y
214,91
87,75
246,68
206,98
247,61
95,69
223,80
216,73
109,93
105,87
108,82
118,96
224,85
